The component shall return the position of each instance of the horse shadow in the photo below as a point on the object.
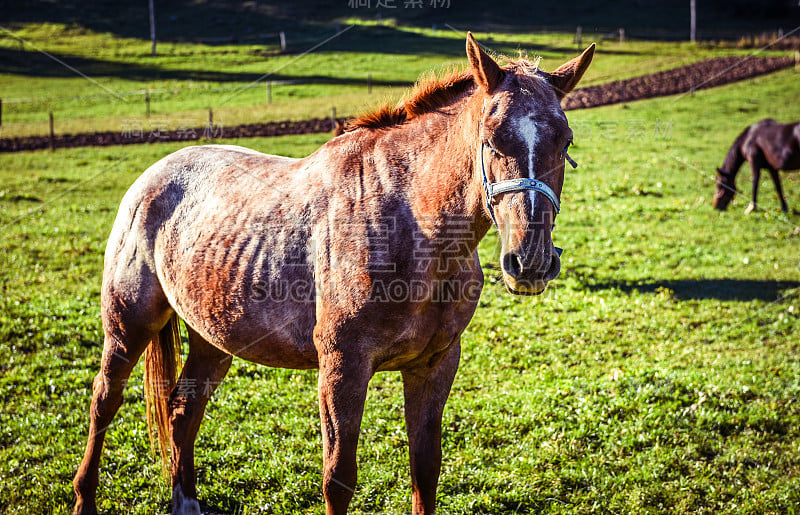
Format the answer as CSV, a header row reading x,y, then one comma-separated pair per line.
x,y
706,289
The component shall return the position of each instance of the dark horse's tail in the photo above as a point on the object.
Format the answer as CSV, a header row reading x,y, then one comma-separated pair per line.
x,y
734,158
161,363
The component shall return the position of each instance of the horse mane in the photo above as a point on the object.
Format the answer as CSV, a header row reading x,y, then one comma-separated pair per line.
x,y
430,93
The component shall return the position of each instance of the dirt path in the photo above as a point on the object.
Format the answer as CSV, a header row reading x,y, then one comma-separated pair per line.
x,y
702,75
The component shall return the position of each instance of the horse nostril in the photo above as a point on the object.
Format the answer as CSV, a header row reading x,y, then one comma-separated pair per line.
x,y
555,267
512,265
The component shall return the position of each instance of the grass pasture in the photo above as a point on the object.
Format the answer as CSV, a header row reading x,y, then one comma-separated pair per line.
x,y
658,374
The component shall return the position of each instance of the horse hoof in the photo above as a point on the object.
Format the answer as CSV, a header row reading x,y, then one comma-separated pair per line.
x,y
750,209
84,509
183,505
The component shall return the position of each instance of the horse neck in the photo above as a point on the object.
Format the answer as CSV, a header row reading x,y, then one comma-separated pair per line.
x,y
445,189
734,158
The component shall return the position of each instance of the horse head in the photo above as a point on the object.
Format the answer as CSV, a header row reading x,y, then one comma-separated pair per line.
x,y
726,189
524,137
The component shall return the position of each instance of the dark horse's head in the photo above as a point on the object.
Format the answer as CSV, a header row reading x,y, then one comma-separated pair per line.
x,y
524,137
726,189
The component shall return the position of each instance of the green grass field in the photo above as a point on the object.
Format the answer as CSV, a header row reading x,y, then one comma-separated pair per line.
x,y
658,374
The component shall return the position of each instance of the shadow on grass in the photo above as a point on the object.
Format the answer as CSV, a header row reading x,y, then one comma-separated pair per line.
x,y
705,289
34,64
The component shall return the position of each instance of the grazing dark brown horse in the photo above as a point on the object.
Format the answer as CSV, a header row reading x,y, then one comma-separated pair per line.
x,y
358,258
765,144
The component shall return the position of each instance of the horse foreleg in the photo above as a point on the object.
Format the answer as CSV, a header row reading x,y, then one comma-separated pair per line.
x,y
121,350
756,174
777,181
343,381
204,370
426,390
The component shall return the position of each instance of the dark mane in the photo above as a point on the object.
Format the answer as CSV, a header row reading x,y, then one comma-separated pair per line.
x,y
428,95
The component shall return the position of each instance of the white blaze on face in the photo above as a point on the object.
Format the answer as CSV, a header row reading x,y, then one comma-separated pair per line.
x,y
529,133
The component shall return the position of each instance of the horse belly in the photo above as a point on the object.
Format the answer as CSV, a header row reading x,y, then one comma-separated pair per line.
x,y
278,336
290,346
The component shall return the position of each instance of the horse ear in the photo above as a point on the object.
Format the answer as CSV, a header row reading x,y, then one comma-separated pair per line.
x,y
566,77
486,71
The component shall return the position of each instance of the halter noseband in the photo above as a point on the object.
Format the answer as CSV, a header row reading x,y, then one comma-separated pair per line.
x,y
496,188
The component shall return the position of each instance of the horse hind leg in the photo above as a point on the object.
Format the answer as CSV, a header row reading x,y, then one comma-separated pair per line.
x,y
128,326
203,371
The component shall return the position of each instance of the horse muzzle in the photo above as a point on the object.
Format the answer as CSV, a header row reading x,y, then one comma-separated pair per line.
x,y
531,277
721,202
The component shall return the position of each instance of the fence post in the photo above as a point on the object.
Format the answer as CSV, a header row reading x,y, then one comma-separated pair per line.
x,y
621,35
147,103
333,118
52,132
152,27
269,91
579,36
283,41
210,118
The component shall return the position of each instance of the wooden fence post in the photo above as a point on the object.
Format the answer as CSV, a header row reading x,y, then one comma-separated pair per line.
x,y
283,41
147,103
269,91
579,36
333,118
52,132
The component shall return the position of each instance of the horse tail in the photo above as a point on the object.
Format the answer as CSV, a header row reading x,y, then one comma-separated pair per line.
x,y
162,361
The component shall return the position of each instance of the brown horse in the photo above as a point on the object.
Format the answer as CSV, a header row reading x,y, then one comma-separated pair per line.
x,y
766,144
358,258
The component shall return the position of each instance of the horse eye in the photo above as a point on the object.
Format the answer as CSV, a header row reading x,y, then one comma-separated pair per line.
x,y
489,145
